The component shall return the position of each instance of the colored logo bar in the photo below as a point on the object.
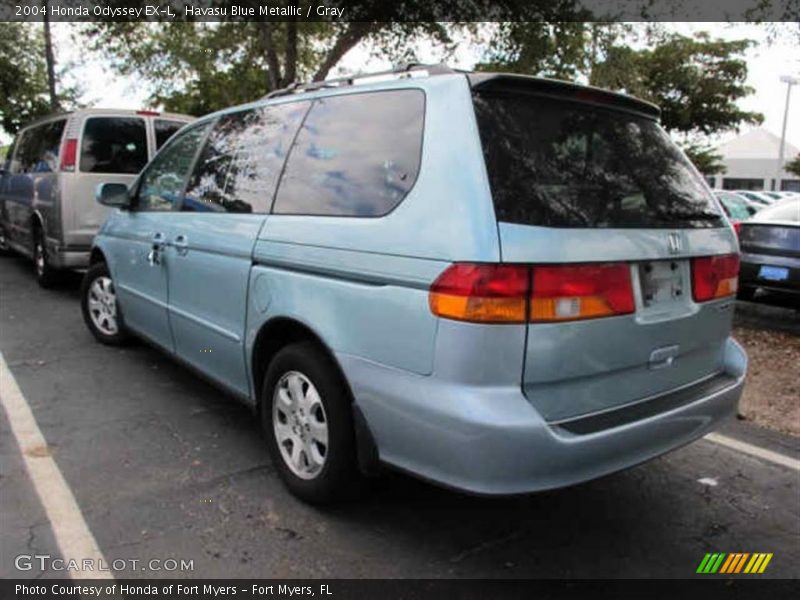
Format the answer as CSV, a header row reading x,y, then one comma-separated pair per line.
x,y
734,563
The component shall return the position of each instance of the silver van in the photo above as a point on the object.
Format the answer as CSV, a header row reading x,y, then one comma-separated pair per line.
x,y
47,207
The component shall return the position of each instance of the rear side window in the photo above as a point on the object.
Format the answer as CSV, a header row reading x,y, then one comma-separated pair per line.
x,y
38,147
558,163
242,160
113,145
165,129
356,155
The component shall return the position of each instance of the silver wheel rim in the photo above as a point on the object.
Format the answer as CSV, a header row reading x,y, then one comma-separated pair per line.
x,y
102,303
300,425
39,259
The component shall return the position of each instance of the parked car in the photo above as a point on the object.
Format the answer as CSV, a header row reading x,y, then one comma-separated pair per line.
x,y
47,207
736,207
770,244
757,197
497,283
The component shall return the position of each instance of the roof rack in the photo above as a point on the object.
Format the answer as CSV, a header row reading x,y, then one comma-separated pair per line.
x,y
403,71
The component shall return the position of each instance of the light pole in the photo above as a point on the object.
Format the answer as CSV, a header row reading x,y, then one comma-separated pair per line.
x,y
789,81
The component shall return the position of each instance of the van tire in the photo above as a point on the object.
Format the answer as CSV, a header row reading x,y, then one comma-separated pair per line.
x,y
338,479
46,275
121,337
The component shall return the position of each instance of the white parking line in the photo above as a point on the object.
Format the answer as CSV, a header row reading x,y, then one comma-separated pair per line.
x,y
73,537
757,451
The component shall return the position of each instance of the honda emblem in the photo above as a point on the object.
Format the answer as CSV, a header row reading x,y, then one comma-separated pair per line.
x,y
674,242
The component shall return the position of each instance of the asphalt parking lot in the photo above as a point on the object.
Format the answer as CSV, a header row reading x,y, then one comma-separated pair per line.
x,y
162,465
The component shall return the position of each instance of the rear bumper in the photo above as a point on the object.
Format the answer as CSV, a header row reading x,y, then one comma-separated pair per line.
x,y
491,440
751,265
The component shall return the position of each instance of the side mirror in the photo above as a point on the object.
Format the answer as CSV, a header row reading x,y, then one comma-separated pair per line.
x,y
112,194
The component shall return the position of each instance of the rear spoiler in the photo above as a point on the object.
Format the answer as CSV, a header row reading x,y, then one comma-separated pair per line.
x,y
499,83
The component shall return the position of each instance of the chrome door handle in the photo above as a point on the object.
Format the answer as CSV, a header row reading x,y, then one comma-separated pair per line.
x,y
181,244
154,256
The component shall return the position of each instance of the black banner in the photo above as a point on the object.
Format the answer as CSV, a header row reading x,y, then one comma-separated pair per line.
x,y
400,10
395,589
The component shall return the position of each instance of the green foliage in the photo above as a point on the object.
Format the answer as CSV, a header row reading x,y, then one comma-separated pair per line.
x,y
23,77
697,81
705,158
793,166
198,67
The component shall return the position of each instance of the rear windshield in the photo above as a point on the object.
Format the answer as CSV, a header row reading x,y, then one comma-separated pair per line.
x,y
558,163
165,129
113,145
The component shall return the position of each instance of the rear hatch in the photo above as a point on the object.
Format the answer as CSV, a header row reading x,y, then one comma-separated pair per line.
x,y
616,224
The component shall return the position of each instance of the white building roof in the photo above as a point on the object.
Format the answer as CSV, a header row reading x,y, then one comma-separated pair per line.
x,y
757,143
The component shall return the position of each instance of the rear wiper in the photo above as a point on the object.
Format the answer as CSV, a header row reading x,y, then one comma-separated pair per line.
x,y
696,216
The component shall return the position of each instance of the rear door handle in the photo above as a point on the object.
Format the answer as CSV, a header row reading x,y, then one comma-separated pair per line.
x,y
181,244
154,256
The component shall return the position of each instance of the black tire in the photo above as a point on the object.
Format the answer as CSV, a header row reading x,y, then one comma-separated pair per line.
x,y
121,336
46,275
4,248
339,477
746,293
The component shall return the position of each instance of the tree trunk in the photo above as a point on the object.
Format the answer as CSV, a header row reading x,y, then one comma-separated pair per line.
x,y
273,64
290,66
354,33
48,54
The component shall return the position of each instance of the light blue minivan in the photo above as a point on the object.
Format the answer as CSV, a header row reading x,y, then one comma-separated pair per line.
x,y
500,284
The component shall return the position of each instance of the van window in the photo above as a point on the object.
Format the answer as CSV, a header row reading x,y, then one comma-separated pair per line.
x,y
162,182
559,163
355,155
242,159
38,148
165,129
113,145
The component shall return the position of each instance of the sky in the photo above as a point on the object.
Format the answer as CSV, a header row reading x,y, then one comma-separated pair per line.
x,y
766,64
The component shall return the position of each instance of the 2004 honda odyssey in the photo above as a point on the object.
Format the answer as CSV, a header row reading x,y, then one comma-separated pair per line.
x,y
498,283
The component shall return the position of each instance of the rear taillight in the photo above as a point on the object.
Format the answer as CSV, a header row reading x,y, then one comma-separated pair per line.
x,y
484,293
491,293
570,292
737,226
714,276
68,154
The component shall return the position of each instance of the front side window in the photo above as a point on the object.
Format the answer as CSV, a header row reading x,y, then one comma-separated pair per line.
x,y
559,163
113,145
356,155
162,182
242,159
165,129
38,148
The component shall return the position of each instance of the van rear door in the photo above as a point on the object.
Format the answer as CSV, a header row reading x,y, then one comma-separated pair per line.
x,y
111,149
624,239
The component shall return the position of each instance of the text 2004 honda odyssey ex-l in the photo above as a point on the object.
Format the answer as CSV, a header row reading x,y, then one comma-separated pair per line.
x,y
498,283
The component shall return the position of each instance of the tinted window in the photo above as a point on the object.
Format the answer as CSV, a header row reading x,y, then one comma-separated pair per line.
x,y
736,208
165,129
242,159
162,182
355,155
563,164
113,145
38,147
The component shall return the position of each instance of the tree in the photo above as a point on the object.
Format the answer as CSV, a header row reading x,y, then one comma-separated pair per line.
x,y
793,166
197,67
696,81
